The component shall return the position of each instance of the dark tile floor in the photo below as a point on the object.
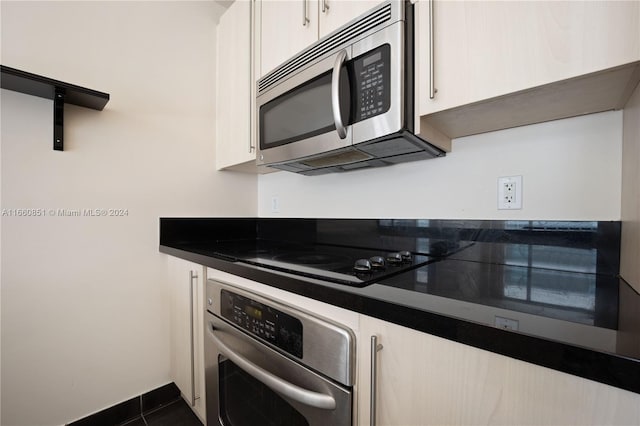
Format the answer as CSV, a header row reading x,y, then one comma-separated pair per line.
x,y
176,413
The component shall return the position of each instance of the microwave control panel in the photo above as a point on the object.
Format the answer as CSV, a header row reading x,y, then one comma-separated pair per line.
x,y
263,321
371,73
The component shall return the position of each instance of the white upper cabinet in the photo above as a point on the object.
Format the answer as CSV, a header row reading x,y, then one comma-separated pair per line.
x,y
289,26
489,65
234,94
336,13
484,49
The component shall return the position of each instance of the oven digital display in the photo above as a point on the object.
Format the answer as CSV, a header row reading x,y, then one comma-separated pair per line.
x,y
371,59
263,321
253,312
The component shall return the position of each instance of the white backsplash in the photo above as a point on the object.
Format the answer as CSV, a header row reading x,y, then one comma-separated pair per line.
x,y
571,170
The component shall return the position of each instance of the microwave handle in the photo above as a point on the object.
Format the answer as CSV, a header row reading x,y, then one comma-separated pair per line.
x,y
335,94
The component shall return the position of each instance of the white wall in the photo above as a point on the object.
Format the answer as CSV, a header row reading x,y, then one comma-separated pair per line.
x,y
630,244
570,169
85,299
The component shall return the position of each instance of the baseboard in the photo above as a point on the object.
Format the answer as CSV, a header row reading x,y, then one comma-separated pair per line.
x,y
132,408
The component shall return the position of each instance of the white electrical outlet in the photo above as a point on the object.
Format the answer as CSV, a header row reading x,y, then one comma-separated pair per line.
x,y
510,193
507,323
275,204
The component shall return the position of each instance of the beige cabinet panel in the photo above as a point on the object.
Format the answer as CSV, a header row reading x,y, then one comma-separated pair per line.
x,y
284,31
335,13
283,34
183,291
234,95
492,48
426,380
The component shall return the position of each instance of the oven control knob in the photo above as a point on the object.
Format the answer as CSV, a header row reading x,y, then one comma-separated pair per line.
x,y
377,262
394,258
210,301
362,265
406,256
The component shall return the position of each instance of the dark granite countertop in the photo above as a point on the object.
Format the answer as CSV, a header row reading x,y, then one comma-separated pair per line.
x,y
554,285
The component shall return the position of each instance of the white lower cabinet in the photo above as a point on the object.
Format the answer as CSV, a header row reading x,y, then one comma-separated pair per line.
x,y
426,380
186,288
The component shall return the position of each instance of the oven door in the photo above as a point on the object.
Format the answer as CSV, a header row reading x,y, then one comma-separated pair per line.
x,y
248,383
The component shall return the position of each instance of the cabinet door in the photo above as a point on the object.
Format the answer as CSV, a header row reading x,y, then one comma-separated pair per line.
x,y
234,97
401,384
284,31
186,314
335,13
486,49
426,380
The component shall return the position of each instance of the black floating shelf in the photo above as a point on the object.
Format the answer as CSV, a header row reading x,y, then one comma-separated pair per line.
x,y
59,92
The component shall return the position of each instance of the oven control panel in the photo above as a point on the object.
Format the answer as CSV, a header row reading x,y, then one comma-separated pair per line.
x,y
263,321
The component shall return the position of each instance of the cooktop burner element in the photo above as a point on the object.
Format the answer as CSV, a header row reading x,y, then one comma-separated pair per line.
x,y
318,260
339,264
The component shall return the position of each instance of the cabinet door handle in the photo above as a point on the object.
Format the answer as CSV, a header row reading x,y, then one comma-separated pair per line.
x,y
375,347
325,6
432,87
193,276
305,17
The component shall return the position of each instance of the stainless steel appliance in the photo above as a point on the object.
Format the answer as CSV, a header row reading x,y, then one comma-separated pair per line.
x,y
271,364
346,102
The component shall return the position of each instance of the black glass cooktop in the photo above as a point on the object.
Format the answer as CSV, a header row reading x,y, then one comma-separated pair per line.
x,y
354,266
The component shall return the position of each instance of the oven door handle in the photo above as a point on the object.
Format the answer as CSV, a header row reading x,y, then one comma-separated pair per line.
x,y
335,94
296,393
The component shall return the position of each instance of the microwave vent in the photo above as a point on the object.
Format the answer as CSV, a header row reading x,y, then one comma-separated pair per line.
x,y
339,158
390,147
348,33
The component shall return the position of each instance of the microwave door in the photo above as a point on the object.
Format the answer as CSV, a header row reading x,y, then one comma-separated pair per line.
x,y
296,117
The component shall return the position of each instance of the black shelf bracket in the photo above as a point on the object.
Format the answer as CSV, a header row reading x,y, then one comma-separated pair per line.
x,y
58,120
58,91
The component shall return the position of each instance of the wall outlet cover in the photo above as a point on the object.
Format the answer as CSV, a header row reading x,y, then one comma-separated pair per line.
x,y
510,193
275,204
507,323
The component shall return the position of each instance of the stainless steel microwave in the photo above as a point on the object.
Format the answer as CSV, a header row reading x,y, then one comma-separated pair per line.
x,y
347,101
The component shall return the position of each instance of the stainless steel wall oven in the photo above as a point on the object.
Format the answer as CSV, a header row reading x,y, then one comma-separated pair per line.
x,y
271,364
